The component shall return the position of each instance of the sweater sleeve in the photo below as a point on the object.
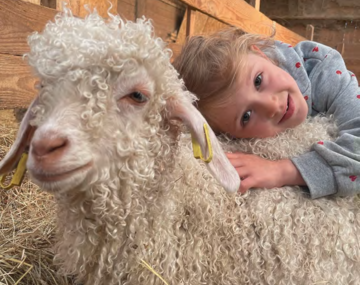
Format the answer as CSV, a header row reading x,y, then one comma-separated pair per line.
x,y
332,167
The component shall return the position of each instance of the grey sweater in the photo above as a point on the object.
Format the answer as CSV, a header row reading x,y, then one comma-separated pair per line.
x,y
328,88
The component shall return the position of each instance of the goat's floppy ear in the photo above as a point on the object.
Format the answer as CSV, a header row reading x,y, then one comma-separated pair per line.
x,y
220,167
25,133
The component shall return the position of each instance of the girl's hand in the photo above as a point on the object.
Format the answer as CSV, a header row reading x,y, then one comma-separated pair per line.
x,y
255,171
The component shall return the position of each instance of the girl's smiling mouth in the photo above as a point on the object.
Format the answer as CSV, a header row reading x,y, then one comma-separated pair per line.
x,y
289,110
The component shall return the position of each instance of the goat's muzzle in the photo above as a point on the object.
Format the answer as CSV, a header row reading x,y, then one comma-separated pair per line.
x,y
50,148
53,162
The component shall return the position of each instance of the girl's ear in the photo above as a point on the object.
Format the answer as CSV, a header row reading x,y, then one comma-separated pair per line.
x,y
22,141
258,51
220,167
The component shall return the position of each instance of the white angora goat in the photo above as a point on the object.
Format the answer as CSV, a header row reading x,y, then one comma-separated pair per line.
x,y
104,138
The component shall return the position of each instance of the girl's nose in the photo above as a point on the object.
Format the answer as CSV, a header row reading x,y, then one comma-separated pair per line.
x,y
269,107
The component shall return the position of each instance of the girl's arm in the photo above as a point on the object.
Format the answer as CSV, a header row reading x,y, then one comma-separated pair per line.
x,y
257,172
332,167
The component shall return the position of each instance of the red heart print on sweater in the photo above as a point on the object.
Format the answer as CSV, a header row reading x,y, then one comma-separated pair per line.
x,y
338,72
315,49
298,64
321,142
358,96
306,97
353,177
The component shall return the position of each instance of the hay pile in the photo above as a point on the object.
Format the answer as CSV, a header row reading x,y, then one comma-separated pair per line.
x,y
26,226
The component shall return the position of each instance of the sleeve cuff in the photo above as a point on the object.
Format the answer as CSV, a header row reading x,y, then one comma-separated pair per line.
x,y
316,173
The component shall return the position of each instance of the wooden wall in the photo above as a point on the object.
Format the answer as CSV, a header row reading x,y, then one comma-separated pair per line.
x,y
167,15
18,18
16,81
336,23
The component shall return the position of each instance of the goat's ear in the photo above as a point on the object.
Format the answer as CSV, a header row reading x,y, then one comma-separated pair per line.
x,y
25,133
220,167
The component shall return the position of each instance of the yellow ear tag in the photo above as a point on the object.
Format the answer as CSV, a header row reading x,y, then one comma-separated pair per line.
x,y
18,175
196,147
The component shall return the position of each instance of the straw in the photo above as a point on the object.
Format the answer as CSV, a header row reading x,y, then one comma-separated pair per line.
x,y
27,225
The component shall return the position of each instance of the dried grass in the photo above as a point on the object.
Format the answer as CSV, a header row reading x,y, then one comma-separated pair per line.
x,y
26,226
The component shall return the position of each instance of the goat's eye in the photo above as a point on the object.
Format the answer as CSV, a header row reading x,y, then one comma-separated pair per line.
x,y
138,97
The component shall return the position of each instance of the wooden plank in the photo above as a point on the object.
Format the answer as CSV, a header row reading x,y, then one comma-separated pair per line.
x,y
241,14
351,51
344,17
166,18
182,31
130,2
174,3
310,32
211,25
255,4
190,21
341,48
33,1
354,66
49,3
78,8
16,82
204,25
126,9
140,8
18,19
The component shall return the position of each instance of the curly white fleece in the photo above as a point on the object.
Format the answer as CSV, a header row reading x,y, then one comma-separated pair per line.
x,y
148,198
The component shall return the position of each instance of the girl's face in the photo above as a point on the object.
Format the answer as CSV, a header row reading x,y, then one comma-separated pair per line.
x,y
265,102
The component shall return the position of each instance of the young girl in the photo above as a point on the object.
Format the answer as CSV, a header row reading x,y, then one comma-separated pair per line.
x,y
251,86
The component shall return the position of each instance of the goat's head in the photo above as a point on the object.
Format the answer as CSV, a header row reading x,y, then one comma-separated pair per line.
x,y
108,97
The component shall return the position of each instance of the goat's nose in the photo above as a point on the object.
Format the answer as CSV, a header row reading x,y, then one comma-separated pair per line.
x,y
51,146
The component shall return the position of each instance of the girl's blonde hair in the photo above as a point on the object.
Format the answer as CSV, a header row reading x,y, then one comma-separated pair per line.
x,y
209,65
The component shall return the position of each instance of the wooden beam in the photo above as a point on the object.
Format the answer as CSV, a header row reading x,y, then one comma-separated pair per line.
x,y
140,8
190,21
49,3
18,19
244,16
255,4
310,32
341,17
204,25
341,48
33,1
78,8
16,82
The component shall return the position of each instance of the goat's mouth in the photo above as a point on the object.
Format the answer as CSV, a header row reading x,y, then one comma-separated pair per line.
x,y
52,177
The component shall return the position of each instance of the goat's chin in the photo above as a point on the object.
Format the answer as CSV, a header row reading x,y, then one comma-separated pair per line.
x,y
64,182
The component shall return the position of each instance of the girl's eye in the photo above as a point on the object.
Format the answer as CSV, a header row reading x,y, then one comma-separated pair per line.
x,y
246,118
257,81
138,97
